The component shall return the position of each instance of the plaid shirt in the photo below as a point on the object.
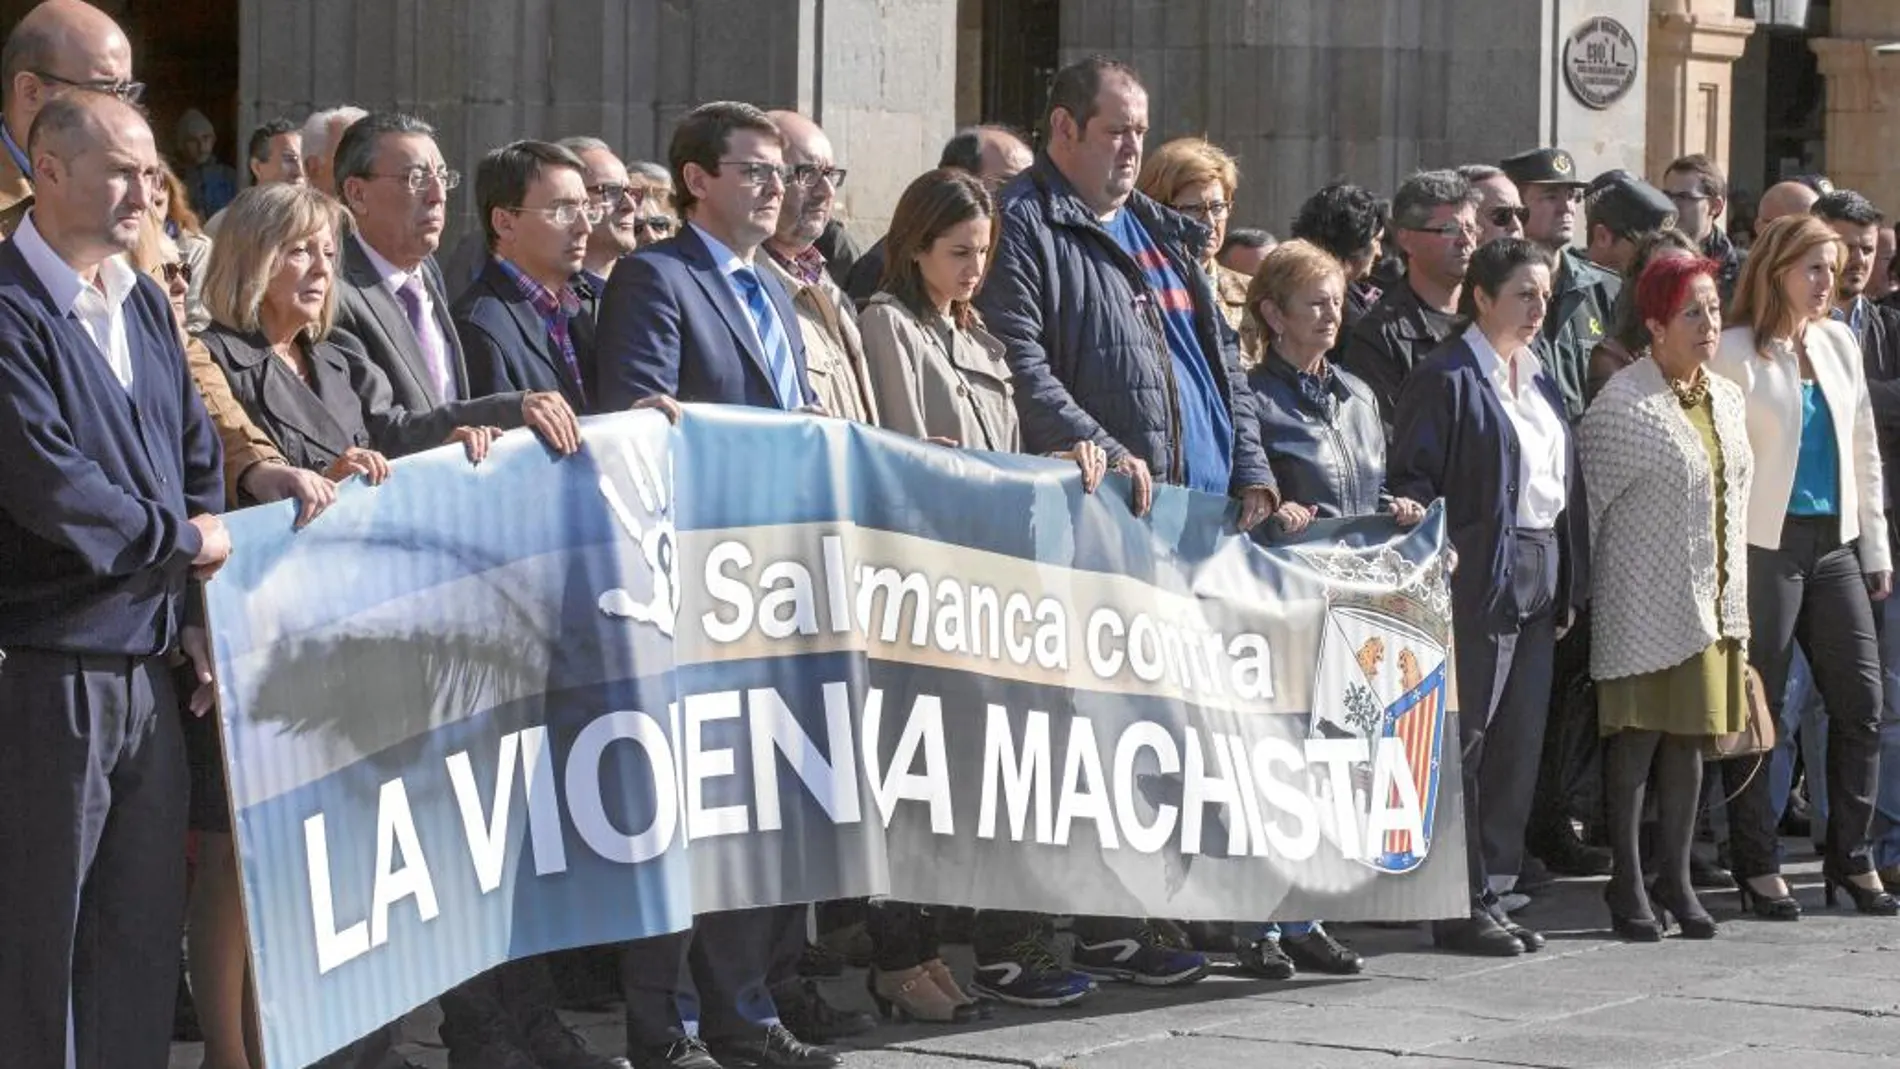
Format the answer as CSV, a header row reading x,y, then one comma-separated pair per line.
x,y
555,310
807,267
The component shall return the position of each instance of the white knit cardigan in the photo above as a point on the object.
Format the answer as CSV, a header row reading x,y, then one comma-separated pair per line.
x,y
1652,523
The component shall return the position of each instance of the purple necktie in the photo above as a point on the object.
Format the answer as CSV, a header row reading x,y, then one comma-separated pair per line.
x,y
431,342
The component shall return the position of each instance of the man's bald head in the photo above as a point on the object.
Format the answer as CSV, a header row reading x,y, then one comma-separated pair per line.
x,y
59,44
1004,156
995,154
795,129
94,167
809,198
1785,198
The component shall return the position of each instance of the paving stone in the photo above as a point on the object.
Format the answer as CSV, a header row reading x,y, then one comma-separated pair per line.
x,y
1365,1027
1544,1046
1735,1023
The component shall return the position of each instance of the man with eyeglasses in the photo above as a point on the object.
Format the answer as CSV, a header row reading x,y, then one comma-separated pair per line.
x,y
59,46
1501,212
698,318
390,298
1434,225
1699,190
620,203
523,324
1582,294
827,319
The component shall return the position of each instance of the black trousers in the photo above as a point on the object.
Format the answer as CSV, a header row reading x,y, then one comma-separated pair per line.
x,y
904,933
93,794
1811,591
716,972
497,1003
1503,695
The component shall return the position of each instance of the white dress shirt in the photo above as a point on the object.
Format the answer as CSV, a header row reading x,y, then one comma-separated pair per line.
x,y
98,306
394,279
728,262
1543,460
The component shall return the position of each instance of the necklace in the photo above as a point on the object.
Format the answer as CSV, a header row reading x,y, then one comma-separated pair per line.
x,y
1690,394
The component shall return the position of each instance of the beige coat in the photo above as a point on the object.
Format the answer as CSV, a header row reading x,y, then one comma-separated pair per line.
x,y
929,390
834,350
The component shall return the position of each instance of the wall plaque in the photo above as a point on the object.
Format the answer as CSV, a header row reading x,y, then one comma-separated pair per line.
x,y
1600,58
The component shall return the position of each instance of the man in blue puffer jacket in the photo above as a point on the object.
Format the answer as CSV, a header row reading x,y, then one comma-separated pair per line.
x,y
1113,334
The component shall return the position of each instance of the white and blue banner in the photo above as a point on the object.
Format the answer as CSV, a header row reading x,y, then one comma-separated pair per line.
x,y
481,713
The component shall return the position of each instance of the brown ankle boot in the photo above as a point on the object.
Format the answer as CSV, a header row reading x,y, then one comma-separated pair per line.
x,y
910,995
939,974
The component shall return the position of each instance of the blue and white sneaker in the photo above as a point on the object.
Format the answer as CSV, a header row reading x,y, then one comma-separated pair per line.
x,y
1029,975
1142,958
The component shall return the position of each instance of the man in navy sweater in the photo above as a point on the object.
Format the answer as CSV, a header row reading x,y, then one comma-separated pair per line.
x,y
110,483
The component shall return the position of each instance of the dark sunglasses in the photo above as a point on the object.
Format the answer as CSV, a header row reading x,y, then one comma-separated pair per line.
x,y
176,270
1503,216
658,224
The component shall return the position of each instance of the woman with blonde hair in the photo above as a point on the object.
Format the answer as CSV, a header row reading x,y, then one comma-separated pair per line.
x,y
1323,437
269,289
1197,178
1817,551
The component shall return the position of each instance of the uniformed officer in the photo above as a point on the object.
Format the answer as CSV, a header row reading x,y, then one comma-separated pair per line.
x,y
1582,294
1619,211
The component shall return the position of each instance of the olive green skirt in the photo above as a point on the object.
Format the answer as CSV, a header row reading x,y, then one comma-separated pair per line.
x,y
1704,695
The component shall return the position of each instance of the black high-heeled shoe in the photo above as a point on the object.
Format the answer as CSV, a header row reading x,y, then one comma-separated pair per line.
x,y
1873,901
1632,929
1696,924
1784,908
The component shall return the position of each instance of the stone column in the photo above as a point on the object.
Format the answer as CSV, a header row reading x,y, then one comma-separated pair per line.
x,y
1693,46
1863,94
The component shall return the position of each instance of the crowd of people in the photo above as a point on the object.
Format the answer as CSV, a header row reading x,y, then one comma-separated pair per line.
x,y
1661,458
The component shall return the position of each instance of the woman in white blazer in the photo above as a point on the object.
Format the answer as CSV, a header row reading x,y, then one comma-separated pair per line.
x,y
1817,550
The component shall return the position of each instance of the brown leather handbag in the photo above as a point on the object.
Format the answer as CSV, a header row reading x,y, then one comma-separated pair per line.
x,y
1758,731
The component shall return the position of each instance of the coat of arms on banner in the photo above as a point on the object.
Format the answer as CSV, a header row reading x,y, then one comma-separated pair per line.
x,y
1383,673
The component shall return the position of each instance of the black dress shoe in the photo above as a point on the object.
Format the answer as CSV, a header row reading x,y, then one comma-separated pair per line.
x,y
1531,941
775,1048
1478,935
803,1009
1318,951
684,1053
1568,855
1708,876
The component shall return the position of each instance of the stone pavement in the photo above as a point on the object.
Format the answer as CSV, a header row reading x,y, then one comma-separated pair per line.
x,y
1823,993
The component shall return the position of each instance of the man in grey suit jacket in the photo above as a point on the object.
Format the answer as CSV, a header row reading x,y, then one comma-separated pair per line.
x,y
390,296
390,302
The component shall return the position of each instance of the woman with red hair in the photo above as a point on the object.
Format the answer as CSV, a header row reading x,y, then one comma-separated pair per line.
x,y
1667,467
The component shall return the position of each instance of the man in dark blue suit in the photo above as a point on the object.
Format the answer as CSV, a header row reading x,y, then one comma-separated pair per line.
x,y
110,482
692,318
522,323
695,319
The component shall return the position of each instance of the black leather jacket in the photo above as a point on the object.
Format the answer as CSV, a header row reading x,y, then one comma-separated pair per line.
x,y
1329,457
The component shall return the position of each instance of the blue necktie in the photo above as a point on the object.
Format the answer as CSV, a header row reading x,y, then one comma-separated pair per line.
x,y
778,350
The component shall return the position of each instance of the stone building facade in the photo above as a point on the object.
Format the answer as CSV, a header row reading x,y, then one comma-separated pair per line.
x,y
1303,91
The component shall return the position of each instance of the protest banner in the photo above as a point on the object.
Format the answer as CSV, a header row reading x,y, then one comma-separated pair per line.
x,y
481,713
